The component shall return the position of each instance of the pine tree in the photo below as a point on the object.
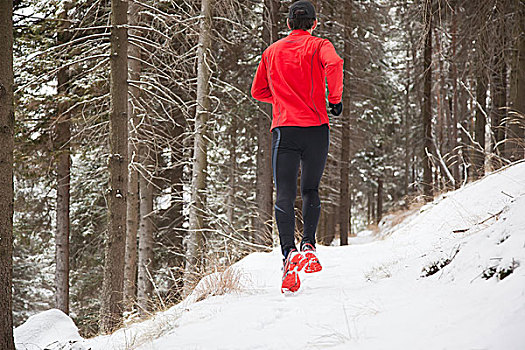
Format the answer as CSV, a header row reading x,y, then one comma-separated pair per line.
x,y
200,162
515,145
7,120
112,296
134,66
264,186
63,164
344,198
455,101
427,104
145,256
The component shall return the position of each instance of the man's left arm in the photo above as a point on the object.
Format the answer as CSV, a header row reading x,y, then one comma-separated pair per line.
x,y
260,87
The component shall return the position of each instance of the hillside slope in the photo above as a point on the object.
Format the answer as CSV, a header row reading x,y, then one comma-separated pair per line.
x,y
450,276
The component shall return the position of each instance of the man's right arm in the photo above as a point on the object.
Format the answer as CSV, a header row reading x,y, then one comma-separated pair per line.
x,y
333,65
260,87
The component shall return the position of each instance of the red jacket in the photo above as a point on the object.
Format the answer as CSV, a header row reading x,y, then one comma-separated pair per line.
x,y
291,76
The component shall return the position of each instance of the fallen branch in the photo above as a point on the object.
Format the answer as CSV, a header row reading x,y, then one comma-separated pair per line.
x,y
461,230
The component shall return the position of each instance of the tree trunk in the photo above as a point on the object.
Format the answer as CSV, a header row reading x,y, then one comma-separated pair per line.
x,y
464,118
264,186
330,224
344,198
379,213
134,66
499,100
200,162
442,144
321,227
455,116
478,155
369,209
63,164
111,309
515,144
329,208
230,207
406,122
373,213
176,214
427,106
439,131
7,121
145,261
350,199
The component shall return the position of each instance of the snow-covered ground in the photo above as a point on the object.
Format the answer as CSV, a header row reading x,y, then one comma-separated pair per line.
x,y
372,294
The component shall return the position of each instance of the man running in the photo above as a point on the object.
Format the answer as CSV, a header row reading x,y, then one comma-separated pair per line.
x,y
291,76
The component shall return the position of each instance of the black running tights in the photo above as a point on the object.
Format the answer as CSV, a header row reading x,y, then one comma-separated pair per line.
x,y
292,147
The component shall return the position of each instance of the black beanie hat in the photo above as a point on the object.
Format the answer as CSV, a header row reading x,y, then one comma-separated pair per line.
x,y
302,9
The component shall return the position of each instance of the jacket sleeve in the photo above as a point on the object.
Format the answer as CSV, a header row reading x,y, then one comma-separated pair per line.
x,y
333,65
260,87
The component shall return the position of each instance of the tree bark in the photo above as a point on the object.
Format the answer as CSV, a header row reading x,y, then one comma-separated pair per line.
x,y
406,122
321,227
7,121
145,261
176,214
350,200
63,164
464,117
439,126
499,101
443,139
264,186
328,209
379,213
369,207
344,198
478,154
455,116
373,211
427,106
134,66
200,162
113,283
515,143
230,206
330,225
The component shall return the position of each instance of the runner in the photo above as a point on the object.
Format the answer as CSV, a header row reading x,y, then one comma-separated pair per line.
x,y
291,76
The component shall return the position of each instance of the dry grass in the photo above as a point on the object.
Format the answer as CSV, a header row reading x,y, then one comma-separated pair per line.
x,y
379,272
219,283
397,215
373,228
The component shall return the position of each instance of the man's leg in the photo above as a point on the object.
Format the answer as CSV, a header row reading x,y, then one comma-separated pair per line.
x,y
312,167
285,162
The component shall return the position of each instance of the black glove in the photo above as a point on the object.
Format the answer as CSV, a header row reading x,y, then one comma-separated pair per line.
x,y
336,109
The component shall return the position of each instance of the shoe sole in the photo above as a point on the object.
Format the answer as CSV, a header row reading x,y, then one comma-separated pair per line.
x,y
313,268
313,265
293,277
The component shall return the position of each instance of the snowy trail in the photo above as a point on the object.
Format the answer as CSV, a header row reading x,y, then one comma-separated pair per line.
x,y
371,294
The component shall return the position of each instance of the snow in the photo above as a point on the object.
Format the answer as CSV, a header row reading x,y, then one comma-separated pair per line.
x,y
373,293
51,329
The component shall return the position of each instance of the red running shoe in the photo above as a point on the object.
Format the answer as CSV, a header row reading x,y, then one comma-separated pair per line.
x,y
292,265
313,265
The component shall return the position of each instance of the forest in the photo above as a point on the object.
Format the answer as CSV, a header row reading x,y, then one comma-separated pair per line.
x,y
133,160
